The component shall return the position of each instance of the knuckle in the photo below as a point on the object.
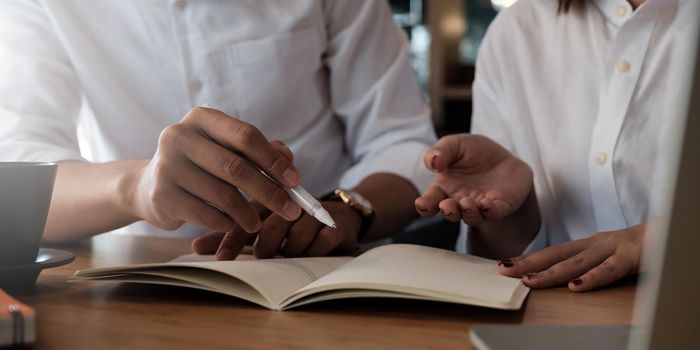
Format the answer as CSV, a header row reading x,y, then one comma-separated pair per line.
x,y
555,270
593,278
247,133
235,167
276,163
275,195
171,135
578,260
612,261
194,113
229,198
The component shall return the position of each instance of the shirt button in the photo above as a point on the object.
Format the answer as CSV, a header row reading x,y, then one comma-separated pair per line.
x,y
601,158
623,66
622,11
180,4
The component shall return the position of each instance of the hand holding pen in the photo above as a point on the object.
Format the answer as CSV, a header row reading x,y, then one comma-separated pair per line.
x,y
200,167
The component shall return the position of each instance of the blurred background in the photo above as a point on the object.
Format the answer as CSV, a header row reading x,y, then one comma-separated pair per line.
x,y
445,37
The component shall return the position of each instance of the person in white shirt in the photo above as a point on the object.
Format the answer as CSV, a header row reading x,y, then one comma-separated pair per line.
x,y
570,107
330,79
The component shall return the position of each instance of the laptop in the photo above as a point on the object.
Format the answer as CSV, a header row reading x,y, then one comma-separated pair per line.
x,y
667,310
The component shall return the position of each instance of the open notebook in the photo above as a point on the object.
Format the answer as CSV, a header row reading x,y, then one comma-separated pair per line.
x,y
391,271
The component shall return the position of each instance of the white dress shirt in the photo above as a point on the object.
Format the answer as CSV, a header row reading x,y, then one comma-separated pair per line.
x,y
330,78
581,97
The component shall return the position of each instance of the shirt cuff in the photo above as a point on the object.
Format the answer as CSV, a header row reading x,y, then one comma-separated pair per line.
x,y
37,153
404,159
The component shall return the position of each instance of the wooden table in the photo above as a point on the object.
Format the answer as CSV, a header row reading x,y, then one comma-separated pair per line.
x,y
110,315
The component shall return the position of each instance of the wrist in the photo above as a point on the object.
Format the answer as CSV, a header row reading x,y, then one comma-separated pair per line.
x,y
509,236
127,188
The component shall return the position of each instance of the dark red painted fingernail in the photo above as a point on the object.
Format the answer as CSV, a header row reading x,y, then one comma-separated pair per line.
x,y
433,161
506,263
531,275
444,213
577,282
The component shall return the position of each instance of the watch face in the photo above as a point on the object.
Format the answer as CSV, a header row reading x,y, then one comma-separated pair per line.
x,y
362,202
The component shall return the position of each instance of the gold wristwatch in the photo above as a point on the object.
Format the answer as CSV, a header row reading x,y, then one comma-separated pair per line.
x,y
357,202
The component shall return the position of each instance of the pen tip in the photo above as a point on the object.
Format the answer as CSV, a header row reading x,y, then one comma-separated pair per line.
x,y
335,227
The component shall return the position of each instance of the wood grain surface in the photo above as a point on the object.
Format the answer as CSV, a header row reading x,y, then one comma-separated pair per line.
x,y
124,316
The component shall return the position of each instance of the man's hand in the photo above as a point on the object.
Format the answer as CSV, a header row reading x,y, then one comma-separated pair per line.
x,y
477,180
584,264
197,171
304,237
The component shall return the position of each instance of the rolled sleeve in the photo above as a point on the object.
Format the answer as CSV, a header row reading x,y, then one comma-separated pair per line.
x,y
40,96
374,92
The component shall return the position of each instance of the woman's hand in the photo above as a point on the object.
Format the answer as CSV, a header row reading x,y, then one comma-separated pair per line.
x,y
584,264
477,180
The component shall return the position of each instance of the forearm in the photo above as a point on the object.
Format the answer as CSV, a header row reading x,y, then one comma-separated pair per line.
x,y
392,199
90,199
508,237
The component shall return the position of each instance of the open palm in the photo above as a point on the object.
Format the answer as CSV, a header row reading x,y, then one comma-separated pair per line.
x,y
477,180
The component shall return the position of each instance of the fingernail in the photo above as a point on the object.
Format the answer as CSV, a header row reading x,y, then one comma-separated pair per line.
x,y
444,213
421,208
433,162
224,254
505,263
257,227
577,282
291,210
531,275
291,177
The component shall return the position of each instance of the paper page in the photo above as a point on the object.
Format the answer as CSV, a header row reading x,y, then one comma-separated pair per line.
x,y
274,279
424,271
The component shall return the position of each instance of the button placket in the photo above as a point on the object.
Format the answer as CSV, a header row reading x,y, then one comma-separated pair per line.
x,y
626,55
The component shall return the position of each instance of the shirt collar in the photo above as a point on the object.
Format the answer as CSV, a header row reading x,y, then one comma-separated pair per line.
x,y
617,12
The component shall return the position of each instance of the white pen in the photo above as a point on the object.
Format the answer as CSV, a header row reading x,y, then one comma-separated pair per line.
x,y
308,202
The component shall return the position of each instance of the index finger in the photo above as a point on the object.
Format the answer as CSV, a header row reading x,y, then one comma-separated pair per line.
x,y
235,240
232,244
244,139
445,152
540,260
